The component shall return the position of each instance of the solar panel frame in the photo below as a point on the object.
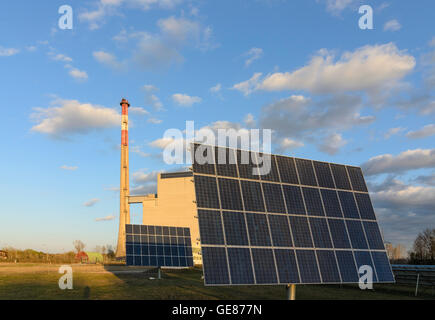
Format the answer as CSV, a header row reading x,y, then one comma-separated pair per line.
x,y
145,246
346,272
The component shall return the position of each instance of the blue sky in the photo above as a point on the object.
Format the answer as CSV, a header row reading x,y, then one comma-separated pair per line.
x,y
329,90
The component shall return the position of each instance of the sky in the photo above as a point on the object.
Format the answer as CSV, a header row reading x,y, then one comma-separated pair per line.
x,y
329,90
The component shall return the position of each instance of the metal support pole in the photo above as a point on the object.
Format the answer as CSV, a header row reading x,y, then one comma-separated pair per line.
x,y
159,273
291,291
416,287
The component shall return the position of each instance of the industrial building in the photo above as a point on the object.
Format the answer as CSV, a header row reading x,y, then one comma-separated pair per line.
x,y
173,205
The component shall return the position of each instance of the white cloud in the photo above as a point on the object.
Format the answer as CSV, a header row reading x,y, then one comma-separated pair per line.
x,y
150,88
249,120
154,101
154,121
31,48
180,29
78,74
216,89
337,6
332,144
162,143
253,54
108,218
248,86
107,59
141,177
105,8
60,57
289,144
392,25
369,68
91,202
405,161
424,132
138,150
69,168
185,100
7,52
403,209
139,111
392,132
65,117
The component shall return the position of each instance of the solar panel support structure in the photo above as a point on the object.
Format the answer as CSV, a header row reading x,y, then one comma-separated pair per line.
x,y
291,291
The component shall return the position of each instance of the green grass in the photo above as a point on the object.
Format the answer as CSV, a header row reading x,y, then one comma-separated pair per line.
x,y
176,284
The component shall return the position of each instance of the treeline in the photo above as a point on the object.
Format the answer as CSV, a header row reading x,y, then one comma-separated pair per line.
x,y
423,251
29,255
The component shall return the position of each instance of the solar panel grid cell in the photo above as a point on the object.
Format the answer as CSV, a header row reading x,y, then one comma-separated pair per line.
x,y
306,172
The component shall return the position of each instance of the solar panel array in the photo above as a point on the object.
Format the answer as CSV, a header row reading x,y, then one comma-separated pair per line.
x,y
305,222
157,246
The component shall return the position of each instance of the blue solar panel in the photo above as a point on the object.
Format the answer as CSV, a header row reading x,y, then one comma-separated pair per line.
x,y
215,265
287,266
348,205
145,248
356,234
357,179
230,194
331,204
258,229
324,176
240,265
303,222
287,170
383,268
308,268
263,264
313,202
347,266
363,258
280,231
235,228
210,226
293,199
328,266
320,230
339,234
273,197
306,172
252,196
373,235
365,206
301,232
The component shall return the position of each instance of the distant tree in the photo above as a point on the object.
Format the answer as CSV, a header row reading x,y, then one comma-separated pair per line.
x,y
424,246
110,252
78,245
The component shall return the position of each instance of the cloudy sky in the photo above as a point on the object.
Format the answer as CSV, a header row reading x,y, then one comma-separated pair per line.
x,y
329,90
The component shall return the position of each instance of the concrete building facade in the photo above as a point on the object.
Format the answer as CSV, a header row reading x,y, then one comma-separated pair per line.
x,y
173,205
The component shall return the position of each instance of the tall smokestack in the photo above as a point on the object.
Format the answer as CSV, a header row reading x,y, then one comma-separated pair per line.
x,y
124,190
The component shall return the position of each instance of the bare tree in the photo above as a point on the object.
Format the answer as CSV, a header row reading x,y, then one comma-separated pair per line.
x,y
79,245
424,245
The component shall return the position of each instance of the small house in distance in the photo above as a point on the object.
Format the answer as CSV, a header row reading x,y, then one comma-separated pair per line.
x,y
89,257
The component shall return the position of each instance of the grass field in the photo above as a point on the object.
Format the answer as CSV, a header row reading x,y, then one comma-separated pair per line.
x,y
38,281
